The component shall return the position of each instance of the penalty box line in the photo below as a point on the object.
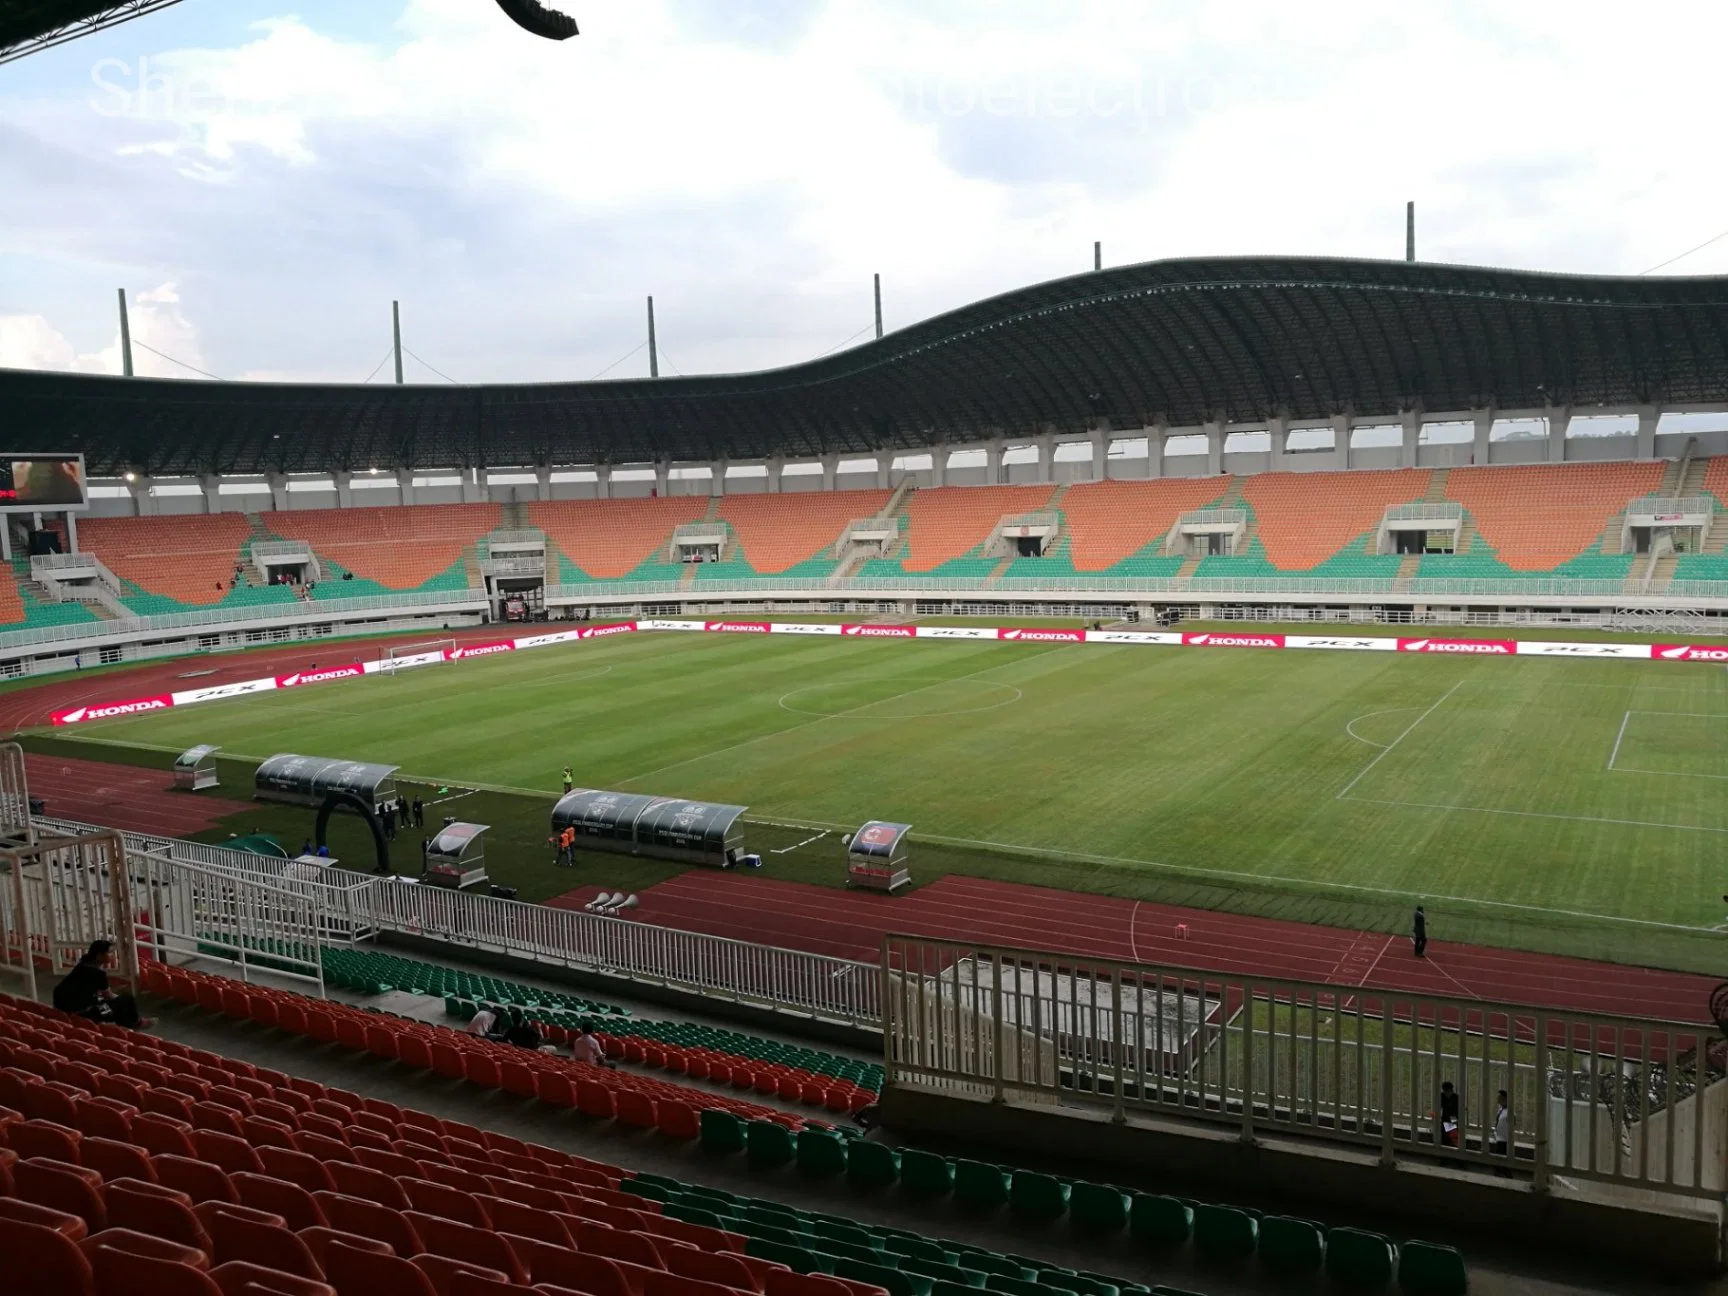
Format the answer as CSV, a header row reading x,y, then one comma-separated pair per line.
x,y
1620,737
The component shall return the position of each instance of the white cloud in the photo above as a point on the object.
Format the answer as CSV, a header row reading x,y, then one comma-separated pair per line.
x,y
752,168
157,324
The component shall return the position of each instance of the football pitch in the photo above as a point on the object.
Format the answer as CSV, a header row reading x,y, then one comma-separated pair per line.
x,y
1567,805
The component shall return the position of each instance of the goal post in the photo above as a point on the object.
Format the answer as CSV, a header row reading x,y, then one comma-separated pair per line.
x,y
404,656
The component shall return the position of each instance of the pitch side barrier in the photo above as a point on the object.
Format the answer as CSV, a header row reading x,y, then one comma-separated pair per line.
x,y
1014,634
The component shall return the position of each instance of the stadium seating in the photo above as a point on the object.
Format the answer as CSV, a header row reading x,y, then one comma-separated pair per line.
x,y
455,1197
1535,517
186,560
396,549
780,533
948,528
610,539
1303,519
1111,524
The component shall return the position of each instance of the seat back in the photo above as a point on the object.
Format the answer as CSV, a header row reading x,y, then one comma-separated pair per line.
x,y
296,1168
199,1180
157,1210
279,1197
46,1139
72,1227
477,1246
126,1273
113,1160
260,1237
63,1187
356,1272
42,1259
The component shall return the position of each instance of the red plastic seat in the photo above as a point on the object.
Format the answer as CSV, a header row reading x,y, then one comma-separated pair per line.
x,y
295,1168
480,1069
229,1151
657,1282
318,1241
126,1273
635,1109
711,1267
260,1237
447,1060
108,1118
224,1094
447,1203
442,1271
237,1278
372,1185
39,1259
163,1135
49,1102
471,1282
618,1244
527,1221
415,1051
328,1150
594,1099
143,1244
784,1282
317,1122
452,1177
516,1078
62,1187
45,1139
364,1138
202,1181
455,1241
394,1164
369,1219
262,1133
158,1211
677,1120
279,1197
19,1211
114,1160
353,1272
580,1271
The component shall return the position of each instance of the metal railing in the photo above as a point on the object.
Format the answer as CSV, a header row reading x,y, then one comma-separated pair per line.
x,y
1588,1098
513,536
513,566
1426,511
1659,504
63,562
789,981
263,549
1213,517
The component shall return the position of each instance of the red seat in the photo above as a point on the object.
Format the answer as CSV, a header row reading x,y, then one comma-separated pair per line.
x,y
163,1135
364,1138
279,1197
447,1203
470,1282
527,1221
415,1051
262,1133
443,1271
579,1271
45,1139
126,1273
368,1219
657,1282
480,1069
296,1168
229,1151
317,1122
594,1099
200,1180
634,1108
318,1241
114,1160
40,1259
353,1272
516,1078
124,1088
328,1150
50,1102
618,1244
214,1116
372,1185
143,1244
237,1278
677,1120
63,1187
22,1212
160,1212
712,1267
447,1060
260,1237
451,1177
107,1118
783,1282
478,1246
224,1094
394,1164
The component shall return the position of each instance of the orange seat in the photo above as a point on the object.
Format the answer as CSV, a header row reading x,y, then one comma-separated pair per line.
x,y
186,557
778,531
951,522
399,547
610,538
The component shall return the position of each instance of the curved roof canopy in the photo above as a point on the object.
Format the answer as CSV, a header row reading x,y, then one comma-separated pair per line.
x,y
1179,342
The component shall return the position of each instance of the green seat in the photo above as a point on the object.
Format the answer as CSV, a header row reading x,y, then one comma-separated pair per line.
x,y
988,1263
1015,1286
1160,1220
721,1131
775,1233
1080,1284
917,1248
1098,1208
821,1152
645,1188
1431,1270
872,1165
1172,1291
1358,1257
925,1174
897,1282
694,1215
769,1143
1039,1196
940,1288
941,1272
862,1252
840,1231
978,1183
798,1259
779,1216
1224,1232
1292,1245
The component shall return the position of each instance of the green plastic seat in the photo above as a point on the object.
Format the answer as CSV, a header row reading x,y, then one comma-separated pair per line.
x,y
862,1252
678,1210
1428,1269
941,1272
1080,1284
872,1165
821,1152
1224,1232
1358,1257
769,1143
644,1188
940,1288
775,1233
924,1174
917,1248
721,1131
830,1230
1097,1208
1292,1246
1163,1221
988,1263
896,1281
1015,1286
798,1259
978,1183
1036,1195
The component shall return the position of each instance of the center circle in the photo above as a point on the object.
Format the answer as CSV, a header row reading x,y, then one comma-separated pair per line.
x,y
899,698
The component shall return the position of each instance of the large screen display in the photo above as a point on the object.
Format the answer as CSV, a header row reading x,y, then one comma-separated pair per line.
x,y
42,481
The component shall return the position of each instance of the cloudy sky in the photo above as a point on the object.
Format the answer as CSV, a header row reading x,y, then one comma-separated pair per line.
x,y
265,176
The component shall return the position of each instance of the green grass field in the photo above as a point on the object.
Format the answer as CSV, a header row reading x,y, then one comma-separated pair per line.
x,y
1571,806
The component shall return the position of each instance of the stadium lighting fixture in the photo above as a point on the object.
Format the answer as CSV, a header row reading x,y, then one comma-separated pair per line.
x,y
537,19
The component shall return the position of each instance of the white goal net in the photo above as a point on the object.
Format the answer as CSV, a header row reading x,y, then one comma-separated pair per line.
x,y
404,656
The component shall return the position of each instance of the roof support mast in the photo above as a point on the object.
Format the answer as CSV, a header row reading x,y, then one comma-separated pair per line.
x,y
125,337
396,337
878,307
653,345
1410,231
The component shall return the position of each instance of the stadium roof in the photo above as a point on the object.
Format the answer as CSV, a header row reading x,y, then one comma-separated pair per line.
x,y
30,25
1178,342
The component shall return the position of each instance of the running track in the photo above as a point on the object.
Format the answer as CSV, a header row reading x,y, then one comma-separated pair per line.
x,y
850,924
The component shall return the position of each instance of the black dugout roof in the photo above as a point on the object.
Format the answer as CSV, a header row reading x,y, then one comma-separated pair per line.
x,y
1181,342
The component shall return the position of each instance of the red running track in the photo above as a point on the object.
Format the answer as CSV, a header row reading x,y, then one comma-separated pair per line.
x,y
123,796
851,924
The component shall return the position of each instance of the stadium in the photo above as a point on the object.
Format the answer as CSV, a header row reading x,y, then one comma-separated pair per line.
x,y
963,813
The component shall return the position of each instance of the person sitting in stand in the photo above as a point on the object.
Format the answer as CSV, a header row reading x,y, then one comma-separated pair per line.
x,y
522,1033
586,1047
84,992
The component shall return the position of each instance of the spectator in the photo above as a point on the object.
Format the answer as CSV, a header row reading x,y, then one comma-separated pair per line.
x,y
522,1033
84,992
586,1047
306,846
1448,1114
419,812
482,1022
1419,933
1502,1142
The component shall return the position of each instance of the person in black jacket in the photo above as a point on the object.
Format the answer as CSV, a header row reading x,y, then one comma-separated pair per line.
x,y
1419,933
84,992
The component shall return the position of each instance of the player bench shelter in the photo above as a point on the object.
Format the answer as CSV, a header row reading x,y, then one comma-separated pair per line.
x,y
627,823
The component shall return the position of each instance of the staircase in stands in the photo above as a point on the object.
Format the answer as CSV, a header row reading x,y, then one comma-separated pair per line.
x,y
1057,541
471,566
514,517
895,508
1232,499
